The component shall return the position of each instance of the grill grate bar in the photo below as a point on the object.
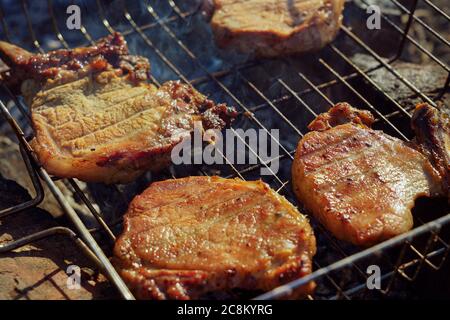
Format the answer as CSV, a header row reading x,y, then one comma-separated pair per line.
x,y
103,17
55,25
50,232
30,27
422,257
222,73
251,85
403,238
406,30
297,97
345,82
324,85
91,208
437,9
375,85
28,164
361,97
387,66
259,165
340,291
422,23
412,40
317,89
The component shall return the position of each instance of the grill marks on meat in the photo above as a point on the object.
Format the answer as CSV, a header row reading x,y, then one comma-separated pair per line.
x,y
115,131
432,129
361,184
97,119
186,238
269,28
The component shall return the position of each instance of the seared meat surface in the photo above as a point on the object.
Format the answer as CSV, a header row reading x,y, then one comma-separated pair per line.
x,y
269,28
361,184
341,113
186,238
96,118
432,128
65,65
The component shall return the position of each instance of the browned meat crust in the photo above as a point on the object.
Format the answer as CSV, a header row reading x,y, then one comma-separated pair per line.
x,y
432,129
269,28
341,113
361,184
96,118
110,52
187,238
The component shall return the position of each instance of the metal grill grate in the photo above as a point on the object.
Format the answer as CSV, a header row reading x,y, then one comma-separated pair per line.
x,y
288,92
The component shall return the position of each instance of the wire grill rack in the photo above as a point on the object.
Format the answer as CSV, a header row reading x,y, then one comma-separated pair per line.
x,y
287,89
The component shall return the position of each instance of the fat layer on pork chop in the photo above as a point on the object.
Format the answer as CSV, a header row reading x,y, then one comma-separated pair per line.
x,y
361,184
187,238
269,28
95,116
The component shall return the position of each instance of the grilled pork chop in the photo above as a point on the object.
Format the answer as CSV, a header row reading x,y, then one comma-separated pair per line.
x,y
361,184
96,118
192,237
269,28
432,128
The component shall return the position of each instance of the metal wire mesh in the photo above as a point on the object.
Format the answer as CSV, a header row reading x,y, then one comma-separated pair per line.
x,y
290,90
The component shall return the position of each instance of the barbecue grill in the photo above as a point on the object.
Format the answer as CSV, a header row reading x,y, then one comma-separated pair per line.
x,y
284,93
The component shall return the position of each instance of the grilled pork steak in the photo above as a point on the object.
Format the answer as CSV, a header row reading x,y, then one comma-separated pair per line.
x,y
269,28
96,118
186,238
432,128
361,184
